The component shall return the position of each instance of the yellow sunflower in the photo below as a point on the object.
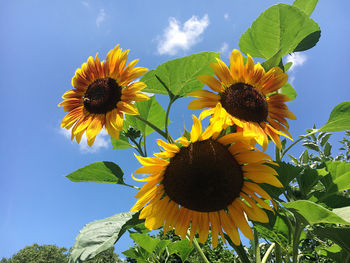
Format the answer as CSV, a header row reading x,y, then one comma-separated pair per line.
x,y
247,98
206,182
103,92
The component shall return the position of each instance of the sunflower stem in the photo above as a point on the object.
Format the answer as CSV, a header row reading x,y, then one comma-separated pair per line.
x,y
239,250
138,147
277,154
198,248
298,230
172,100
152,126
256,247
278,253
268,252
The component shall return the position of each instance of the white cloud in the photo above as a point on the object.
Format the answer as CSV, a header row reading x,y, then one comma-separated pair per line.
x,y
86,4
100,17
224,50
226,16
298,59
101,141
177,37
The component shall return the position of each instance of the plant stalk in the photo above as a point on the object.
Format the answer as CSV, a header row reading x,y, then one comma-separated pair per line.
x,y
294,143
239,250
172,100
152,126
278,253
298,229
198,248
256,247
268,252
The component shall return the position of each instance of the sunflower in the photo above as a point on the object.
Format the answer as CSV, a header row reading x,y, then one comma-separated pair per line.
x,y
247,98
103,92
205,182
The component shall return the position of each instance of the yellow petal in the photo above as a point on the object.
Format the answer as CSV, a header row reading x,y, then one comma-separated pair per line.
x,y
168,146
222,72
237,66
196,130
94,128
127,108
211,82
201,103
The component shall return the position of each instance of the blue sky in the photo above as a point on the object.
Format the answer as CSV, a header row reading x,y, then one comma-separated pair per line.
x,y
43,42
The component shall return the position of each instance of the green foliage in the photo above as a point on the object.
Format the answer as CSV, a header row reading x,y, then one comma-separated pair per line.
x,y
40,254
281,28
99,172
151,111
101,235
288,90
307,6
179,76
339,120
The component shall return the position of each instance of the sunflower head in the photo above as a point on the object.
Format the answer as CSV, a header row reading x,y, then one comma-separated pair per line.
x,y
205,182
246,96
102,92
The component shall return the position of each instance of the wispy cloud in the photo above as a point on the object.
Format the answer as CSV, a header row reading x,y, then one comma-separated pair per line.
x,y
177,37
226,16
101,17
298,59
101,141
224,50
85,3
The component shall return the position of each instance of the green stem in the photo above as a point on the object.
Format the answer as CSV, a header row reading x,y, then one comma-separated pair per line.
x,y
152,126
294,143
256,247
278,253
138,147
239,250
268,252
132,186
172,100
198,248
277,154
298,230
144,146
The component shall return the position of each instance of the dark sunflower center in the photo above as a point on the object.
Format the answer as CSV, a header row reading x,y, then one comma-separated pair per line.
x,y
245,102
203,177
102,96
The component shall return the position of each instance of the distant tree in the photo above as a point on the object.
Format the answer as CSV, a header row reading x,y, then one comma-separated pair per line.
x,y
53,254
40,254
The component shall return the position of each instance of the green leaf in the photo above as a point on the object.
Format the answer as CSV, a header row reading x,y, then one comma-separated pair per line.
x,y
180,75
280,28
139,255
287,66
99,172
307,180
145,241
101,235
339,235
122,143
343,212
151,111
287,172
339,120
289,91
327,149
336,200
307,6
311,146
181,248
274,61
338,179
325,139
314,213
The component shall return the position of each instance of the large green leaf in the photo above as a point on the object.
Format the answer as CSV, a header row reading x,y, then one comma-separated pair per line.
x,y
99,172
281,28
314,213
307,179
101,235
180,75
151,111
122,143
339,120
338,178
341,236
148,243
181,248
343,212
307,6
